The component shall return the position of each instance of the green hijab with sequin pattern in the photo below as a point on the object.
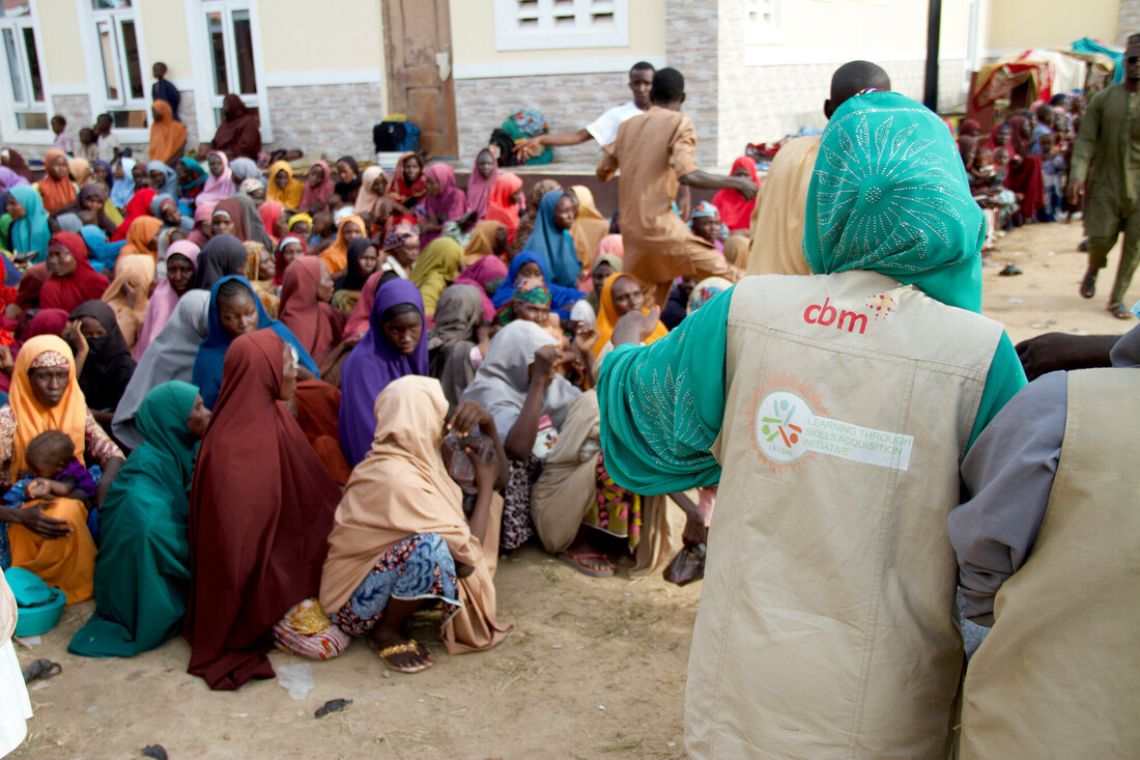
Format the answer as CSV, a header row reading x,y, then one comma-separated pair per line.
x,y
889,194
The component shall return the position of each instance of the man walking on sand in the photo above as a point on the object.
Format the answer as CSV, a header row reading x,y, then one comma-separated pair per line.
x,y
656,153
1106,166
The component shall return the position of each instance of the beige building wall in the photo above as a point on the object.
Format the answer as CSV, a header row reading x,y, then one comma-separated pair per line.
x,y
300,37
473,37
775,86
165,37
63,60
1013,25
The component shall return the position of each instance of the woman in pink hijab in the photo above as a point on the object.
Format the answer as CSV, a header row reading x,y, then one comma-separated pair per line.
x,y
219,180
443,203
483,176
181,263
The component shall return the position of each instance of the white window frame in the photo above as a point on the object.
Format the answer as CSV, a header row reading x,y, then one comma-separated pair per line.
x,y
9,126
547,35
89,18
761,32
201,59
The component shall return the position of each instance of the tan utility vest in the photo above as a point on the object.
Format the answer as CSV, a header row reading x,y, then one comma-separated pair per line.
x,y
1059,674
826,623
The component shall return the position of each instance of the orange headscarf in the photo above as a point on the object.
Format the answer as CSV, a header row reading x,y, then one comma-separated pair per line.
x,y
69,416
167,135
336,255
56,193
137,271
608,316
139,235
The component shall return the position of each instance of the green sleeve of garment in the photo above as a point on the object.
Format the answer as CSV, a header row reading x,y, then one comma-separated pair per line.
x,y
1085,146
662,405
1005,379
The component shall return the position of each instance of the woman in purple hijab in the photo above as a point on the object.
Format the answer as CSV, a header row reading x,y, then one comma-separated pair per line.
x,y
395,345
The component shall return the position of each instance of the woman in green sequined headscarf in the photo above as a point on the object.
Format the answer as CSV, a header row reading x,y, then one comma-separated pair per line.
x,y
889,194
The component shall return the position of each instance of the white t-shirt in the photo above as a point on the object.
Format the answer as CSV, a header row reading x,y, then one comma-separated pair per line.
x,y
604,129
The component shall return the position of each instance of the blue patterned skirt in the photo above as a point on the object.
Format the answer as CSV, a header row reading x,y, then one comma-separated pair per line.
x,y
417,567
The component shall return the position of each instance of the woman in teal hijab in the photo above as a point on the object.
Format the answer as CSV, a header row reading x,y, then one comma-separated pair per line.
x,y
29,232
889,195
142,572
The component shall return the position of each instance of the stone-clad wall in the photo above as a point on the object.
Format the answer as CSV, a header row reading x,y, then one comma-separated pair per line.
x,y
569,103
691,35
327,120
773,101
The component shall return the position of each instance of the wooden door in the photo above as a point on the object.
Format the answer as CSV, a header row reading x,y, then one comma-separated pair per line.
x,y
420,85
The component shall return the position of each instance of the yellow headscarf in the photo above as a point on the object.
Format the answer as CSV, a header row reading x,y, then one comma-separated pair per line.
x,y
608,316
69,416
434,270
290,197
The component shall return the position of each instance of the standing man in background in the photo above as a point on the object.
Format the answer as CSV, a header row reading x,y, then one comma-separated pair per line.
x,y
656,153
778,221
1106,166
164,90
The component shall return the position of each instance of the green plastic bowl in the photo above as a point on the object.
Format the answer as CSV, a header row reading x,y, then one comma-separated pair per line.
x,y
40,606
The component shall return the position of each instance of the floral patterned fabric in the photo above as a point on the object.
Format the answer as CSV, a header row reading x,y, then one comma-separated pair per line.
x,y
615,510
517,525
418,567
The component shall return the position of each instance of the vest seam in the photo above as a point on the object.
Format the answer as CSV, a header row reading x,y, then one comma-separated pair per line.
x,y
723,623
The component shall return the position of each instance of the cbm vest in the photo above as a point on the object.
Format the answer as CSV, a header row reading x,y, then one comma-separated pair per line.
x,y
826,624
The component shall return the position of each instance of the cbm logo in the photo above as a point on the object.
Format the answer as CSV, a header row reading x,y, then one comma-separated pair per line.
x,y
826,315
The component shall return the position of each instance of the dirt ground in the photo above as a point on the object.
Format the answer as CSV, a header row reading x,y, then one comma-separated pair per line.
x,y
595,668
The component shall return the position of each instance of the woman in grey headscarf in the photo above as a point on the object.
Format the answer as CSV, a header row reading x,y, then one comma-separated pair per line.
x,y
169,357
458,314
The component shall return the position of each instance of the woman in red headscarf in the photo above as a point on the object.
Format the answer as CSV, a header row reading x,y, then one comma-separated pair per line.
x,y
503,204
138,206
1024,178
305,309
736,210
258,535
71,280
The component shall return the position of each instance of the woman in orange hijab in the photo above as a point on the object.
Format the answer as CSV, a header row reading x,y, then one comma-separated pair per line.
x,y
129,294
50,538
142,238
167,135
336,255
56,188
620,295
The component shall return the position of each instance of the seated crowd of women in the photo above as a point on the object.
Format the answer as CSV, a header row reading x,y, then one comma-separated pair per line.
x,y
263,411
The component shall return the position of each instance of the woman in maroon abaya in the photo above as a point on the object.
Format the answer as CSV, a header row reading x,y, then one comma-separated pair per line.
x,y
261,509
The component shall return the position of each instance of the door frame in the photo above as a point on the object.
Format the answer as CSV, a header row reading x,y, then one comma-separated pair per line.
x,y
390,11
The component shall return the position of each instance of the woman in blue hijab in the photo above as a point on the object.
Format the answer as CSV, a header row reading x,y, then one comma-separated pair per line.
x,y
124,187
528,264
235,310
169,178
29,233
551,240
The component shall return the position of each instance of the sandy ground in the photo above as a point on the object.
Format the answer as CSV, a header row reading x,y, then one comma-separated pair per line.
x,y
594,668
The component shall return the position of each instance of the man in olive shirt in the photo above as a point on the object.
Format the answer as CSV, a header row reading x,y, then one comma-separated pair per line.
x,y
1106,163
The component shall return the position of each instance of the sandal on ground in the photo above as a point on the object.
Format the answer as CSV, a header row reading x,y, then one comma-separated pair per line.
x,y
408,647
41,668
576,561
1088,286
1119,310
